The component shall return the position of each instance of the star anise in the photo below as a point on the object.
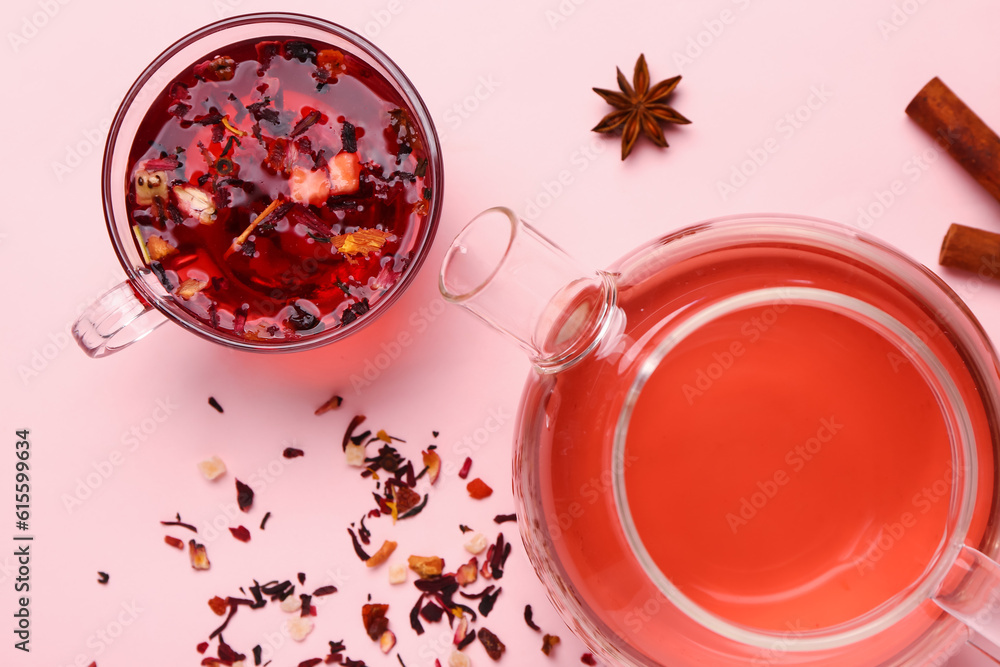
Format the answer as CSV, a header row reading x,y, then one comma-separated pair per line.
x,y
639,108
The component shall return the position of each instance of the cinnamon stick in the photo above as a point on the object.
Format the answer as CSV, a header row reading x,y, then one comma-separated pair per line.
x,y
959,131
971,249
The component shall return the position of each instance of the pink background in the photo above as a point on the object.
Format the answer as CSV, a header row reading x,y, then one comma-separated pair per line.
x,y
509,87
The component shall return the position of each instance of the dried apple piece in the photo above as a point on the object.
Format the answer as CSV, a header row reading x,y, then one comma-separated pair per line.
x,y
433,462
397,574
468,572
459,659
149,185
386,641
158,248
476,544
195,203
299,627
212,468
190,287
426,566
360,242
355,455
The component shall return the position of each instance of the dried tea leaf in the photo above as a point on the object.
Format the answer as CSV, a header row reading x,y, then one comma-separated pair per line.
x,y
334,403
360,242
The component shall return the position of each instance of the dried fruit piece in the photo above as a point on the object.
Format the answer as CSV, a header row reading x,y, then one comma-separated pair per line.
x,y
345,173
244,496
240,533
355,455
476,544
373,617
386,641
332,404
382,554
174,542
494,647
212,468
199,557
467,573
299,627
218,605
426,566
158,248
479,489
397,573
195,203
460,629
588,659
405,499
360,242
291,604
548,643
220,68
433,462
309,186
149,185
331,62
458,659
466,466
190,287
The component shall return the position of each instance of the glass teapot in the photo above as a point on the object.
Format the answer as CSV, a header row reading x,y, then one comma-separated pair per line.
x,y
764,440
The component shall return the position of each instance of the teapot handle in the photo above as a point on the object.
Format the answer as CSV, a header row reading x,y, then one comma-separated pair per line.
x,y
116,320
971,594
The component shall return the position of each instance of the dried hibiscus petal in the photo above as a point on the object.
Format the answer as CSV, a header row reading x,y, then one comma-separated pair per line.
x,y
528,613
292,453
244,496
588,659
494,647
504,518
375,621
240,533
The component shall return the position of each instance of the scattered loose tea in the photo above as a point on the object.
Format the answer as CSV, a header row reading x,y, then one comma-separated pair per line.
x,y
240,533
382,554
426,566
292,453
494,647
202,647
174,542
332,404
257,654
325,590
528,613
199,557
548,643
374,619
588,659
504,518
244,496
214,403
299,627
212,468
179,523
218,605
479,489
102,577
264,520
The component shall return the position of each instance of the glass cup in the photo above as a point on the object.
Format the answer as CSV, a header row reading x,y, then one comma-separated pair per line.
x,y
130,311
668,496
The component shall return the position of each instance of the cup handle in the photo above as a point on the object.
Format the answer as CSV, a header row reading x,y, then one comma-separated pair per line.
x,y
971,594
115,321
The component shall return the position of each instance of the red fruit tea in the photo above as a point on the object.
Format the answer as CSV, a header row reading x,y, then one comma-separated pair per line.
x,y
276,188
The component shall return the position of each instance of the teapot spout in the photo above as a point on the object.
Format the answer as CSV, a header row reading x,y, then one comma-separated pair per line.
x,y
507,274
